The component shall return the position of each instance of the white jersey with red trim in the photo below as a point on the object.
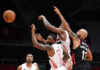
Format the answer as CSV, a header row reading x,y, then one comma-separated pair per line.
x,y
66,46
57,60
24,66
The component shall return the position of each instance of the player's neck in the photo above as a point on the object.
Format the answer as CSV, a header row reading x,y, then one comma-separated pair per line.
x,y
29,64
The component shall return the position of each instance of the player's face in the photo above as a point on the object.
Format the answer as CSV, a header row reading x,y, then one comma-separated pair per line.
x,y
50,40
29,58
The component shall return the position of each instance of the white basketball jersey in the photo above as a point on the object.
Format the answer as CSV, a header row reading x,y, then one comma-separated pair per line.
x,y
57,60
65,44
24,67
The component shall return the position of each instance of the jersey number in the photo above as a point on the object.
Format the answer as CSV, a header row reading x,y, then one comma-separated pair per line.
x,y
84,54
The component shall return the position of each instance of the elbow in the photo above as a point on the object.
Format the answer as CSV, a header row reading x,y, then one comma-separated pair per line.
x,y
90,58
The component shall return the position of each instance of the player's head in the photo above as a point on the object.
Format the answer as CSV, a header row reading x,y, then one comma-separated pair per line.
x,y
82,33
29,58
51,39
61,26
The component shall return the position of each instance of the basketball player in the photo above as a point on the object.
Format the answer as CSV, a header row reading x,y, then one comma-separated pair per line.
x,y
56,54
80,47
28,65
62,37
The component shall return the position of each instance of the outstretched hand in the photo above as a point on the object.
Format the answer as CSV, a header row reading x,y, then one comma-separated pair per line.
x,y
41,17
56,10
39,37
33,28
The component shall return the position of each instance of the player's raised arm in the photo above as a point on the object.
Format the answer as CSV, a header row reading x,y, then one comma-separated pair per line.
x,y
89,56
51,27
36,43
48,25
40,38
65,23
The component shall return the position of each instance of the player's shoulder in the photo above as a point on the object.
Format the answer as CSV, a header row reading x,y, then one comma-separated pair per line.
x,y
19,67
35,64
23,64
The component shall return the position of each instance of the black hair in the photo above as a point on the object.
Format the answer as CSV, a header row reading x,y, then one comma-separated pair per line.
x,y
29,54
54,36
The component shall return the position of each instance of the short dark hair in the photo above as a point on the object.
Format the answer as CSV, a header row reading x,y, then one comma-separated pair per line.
x,y
29,54
54,36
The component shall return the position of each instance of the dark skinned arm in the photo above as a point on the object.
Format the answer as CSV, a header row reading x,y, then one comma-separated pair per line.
x,y
52,28
36,43
40,38
66,25
89,56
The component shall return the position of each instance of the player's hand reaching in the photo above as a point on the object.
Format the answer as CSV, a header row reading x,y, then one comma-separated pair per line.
x,y
56,10
33,28
39,37
41,17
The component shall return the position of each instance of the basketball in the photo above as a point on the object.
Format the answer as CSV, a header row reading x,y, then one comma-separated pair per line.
x,y
9,16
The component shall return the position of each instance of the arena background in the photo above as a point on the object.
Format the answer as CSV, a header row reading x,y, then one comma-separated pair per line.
x,y
15,38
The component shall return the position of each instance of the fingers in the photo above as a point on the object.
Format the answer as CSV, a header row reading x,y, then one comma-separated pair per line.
x,y
40,18
32,25
37,35
54,7
42,15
